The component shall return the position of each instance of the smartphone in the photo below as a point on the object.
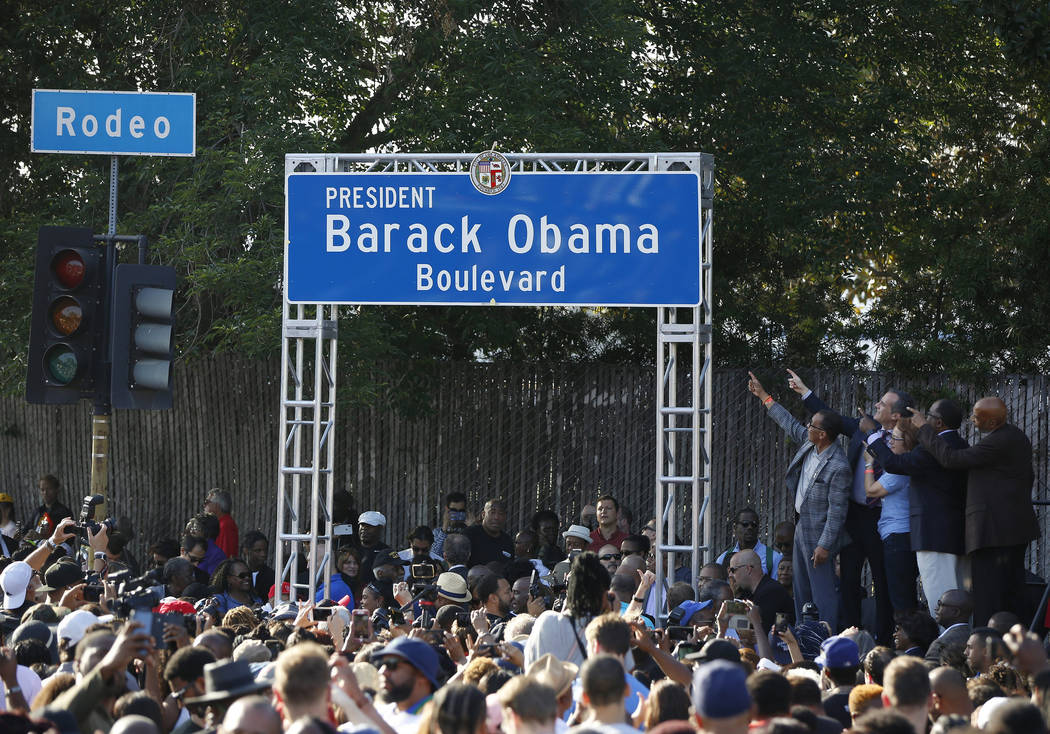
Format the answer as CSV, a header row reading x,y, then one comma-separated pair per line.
x,y
535,587
678,632
736,606
686,648
322,613
359,624
781,623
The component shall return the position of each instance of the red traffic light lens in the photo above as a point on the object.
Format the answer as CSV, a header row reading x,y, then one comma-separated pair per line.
x,y
60,364
68,267
66,315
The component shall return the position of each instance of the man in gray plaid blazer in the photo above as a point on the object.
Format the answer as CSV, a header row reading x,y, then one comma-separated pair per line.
x,y
819,477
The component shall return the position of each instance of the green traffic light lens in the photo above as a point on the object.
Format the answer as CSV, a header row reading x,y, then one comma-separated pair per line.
x,y
68,266
66,315
61,364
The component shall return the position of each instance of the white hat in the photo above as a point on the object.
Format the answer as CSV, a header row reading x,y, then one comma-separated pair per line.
x,y
15,581
577,531
75,624
372,518
985,715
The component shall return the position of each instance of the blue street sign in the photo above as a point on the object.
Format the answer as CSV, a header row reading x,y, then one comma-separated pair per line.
x,y
615,239
114,123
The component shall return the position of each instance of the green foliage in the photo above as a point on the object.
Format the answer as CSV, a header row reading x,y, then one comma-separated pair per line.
x,y
881,169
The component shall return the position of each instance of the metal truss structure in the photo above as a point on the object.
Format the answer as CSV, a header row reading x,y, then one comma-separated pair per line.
x,y
683,377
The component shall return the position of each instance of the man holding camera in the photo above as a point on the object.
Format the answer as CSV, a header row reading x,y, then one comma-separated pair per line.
x,y
770,597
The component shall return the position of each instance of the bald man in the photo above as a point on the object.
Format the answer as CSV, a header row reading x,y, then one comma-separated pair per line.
x,y
949,693
746,569
1000,520
251,715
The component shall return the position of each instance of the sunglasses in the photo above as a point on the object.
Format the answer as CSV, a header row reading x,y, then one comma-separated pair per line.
x,y
610,557
390,663
244,576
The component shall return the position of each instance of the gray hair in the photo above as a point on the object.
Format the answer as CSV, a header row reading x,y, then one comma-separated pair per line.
x,y
222,498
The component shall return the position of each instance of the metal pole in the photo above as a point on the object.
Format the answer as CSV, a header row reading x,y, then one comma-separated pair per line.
x,y
100,419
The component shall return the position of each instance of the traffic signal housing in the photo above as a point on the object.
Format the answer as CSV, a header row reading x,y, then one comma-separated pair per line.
x,y
142,339
68,321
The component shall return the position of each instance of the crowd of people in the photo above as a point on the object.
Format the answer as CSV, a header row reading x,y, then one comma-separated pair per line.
x,y
467,629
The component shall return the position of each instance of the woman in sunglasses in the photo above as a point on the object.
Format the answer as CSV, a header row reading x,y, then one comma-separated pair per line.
x,y
232,583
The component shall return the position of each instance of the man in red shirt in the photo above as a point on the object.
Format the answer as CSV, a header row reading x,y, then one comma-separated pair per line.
x,y
607,532
219,503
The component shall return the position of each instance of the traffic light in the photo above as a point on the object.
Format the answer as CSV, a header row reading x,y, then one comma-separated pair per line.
x,y
142,339
68,321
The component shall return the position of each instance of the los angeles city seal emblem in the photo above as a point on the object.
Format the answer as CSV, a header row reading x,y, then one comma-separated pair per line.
x,y
490,172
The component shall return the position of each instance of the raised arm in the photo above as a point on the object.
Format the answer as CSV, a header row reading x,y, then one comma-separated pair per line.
x,y
982,454
777,412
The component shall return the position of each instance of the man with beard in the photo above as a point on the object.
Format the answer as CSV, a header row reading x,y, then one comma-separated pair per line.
x,y
745,531
494,594
408,669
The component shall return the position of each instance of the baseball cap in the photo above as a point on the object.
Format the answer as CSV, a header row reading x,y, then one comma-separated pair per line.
x,y
689,608
61,574
389,558
716,649
417,653
838,652
720,690
14,581
372,518
74,625
577,531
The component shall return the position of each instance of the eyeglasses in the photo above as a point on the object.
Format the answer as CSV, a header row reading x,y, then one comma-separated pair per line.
x,y
610,557
815,427
734,569
390,663
896,438
243,576
748,524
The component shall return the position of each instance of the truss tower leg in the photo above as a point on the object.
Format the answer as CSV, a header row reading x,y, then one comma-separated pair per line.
x,y
683,415
305,479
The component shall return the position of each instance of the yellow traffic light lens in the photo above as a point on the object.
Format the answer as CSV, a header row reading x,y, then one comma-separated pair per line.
x,y
61,364
66,315
69,268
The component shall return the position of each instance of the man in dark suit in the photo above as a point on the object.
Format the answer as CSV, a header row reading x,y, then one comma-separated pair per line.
x,y
937,499
953,614
818,478
862,517
1000,519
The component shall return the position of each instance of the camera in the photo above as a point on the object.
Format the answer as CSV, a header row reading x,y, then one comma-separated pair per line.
x,y
87,515
421,575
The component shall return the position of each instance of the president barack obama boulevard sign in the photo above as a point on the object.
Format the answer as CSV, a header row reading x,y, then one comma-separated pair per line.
x,y
614,239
